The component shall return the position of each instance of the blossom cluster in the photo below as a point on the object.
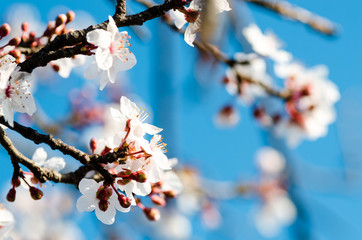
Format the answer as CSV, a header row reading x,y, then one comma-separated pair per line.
x,y
143,170
307,95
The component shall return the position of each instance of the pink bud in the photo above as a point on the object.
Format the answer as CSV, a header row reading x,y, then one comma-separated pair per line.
x,y
14,41
4,30
157,199
152,214
70,16
31,36
11,195
25,26
170,194
35,193
93,144
15,53
61,19
124,201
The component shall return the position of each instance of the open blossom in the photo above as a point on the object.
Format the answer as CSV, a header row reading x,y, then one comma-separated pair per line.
x,y
237,78
67,64
40,159
112,54
99,198
265,44
14,90
132,117
311,105
191,15
6,222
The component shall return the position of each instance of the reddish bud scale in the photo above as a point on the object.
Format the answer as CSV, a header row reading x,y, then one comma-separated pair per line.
x,y
35,193
11,195
55,67
34,180
191,16
152,214
4,30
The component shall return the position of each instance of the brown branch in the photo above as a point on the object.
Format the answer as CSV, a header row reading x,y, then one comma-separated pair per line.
x,y
79,36
299,14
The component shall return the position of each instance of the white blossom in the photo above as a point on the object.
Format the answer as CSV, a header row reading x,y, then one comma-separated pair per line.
x,y
67,64
14,90
311,107
265,44
112,54
192,16
40,159
90,201
6,222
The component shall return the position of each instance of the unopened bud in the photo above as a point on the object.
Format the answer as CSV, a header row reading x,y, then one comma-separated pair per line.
x,y
152,214
31,36
55,67
4,30
59,30
50,29
124,201
170,193
15,53
70,16
103,205
123,181
35,193
25,26
15,181
34,180
14,41
139,176
93,144
61,19
157,199
11,195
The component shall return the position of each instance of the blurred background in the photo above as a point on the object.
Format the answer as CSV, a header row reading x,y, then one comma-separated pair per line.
x,y
183,93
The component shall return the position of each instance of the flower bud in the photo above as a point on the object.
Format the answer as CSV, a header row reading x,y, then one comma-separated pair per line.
x,y
15,53
70,16
55,67
59,30
11,195
124,201
157,199
170,194
32,36
139,176
25,26
34,180
61,19
103,205
152,214
35,193
15,181
123,181
4,30
93,144
14,41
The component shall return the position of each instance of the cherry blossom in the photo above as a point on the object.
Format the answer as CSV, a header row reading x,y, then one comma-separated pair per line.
x,y
14,90
191,15
311,106
132,117
66,65
6,222
266,45
40,159
237,78
99,198
112,54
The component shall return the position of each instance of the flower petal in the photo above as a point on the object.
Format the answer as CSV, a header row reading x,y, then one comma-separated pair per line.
x,y
55,163
106,217
84,204
39,156
99,38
